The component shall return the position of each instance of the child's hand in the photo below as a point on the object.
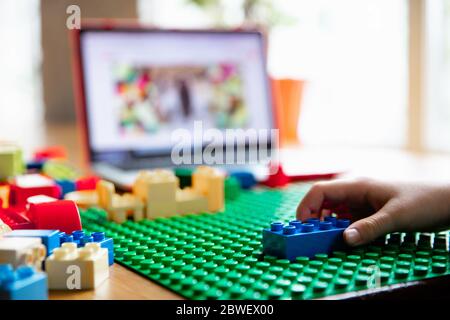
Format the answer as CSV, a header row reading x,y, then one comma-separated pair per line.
x,y
381,207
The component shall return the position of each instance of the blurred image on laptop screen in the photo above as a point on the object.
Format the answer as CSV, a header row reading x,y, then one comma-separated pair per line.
x,y
141,85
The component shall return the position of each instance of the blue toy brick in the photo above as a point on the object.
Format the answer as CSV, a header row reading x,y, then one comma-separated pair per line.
x,y
246,179
304,239
81,238
23,284
66,186
50,238
35,165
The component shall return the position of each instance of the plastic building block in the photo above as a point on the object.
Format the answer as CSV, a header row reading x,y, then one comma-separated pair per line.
x,y
57,215
304,239
59,170
66,186
16,219
49,238
157,189
83,198
118,206
188,201
40,199
11,162
81,239
4,196
86,183
20,250
25,283
72,268
185,176
232,188
278,178
4,228
29,185
219,256
53,152
35,166
209,182
246,179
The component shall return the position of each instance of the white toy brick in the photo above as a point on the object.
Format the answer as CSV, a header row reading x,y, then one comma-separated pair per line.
x,y
72,268
33,180
158,191
188,201
83,198
40,199
209,182
4,228
21,250
118,206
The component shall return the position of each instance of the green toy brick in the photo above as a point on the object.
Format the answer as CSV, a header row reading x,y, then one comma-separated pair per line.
x,y
60,170
219,256
11,161
232,188
185,176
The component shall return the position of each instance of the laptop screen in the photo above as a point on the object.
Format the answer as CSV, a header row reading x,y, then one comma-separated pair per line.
x,y
141,85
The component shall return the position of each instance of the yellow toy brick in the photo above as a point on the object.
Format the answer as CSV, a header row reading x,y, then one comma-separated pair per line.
x,y
11,160
72,268
188,201
4,228
209,182
18,251
157,189
119,207
4,196
83,198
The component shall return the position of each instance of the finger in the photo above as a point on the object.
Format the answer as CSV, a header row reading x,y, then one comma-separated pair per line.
x,y
368,229
353,191
325,212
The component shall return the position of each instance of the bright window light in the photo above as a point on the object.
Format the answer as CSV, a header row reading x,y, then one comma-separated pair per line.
x,y
437,96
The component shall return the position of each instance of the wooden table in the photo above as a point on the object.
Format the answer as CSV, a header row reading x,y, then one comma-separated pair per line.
x,y
122,284
376,163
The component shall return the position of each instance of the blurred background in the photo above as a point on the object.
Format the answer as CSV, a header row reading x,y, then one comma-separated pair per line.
x,y
372,73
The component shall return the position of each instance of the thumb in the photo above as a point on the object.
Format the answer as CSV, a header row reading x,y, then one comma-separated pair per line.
x,y
368,229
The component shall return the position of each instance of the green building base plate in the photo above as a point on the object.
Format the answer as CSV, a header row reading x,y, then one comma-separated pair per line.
x,y
219,255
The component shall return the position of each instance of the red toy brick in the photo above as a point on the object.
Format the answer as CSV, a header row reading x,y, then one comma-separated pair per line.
x,y
55,152
60,215
15,219
278,179
20,191
86,183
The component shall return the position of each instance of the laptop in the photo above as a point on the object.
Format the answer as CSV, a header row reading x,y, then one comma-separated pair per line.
x,y
137,89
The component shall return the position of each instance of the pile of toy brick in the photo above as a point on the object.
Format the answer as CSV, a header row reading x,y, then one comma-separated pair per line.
x,y
42,245
40,226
